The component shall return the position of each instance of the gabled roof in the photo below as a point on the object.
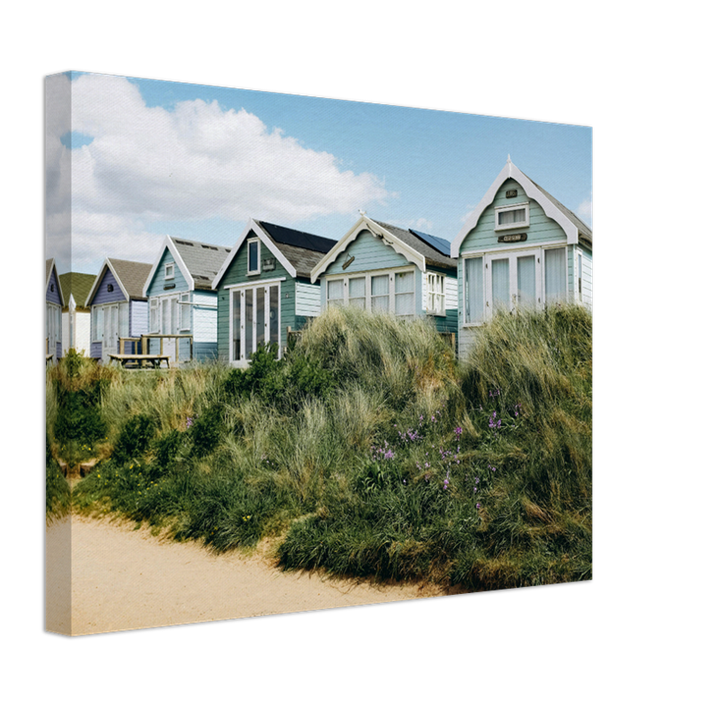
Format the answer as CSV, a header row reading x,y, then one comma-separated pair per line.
x,y
566,219
129,274
49,268
76,285
417,247
297,251
198,262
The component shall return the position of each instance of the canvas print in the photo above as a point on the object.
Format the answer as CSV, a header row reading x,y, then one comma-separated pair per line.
x,y
305,353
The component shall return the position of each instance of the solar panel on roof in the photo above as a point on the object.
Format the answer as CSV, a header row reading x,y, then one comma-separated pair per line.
x,y
183,242
299,239
440,244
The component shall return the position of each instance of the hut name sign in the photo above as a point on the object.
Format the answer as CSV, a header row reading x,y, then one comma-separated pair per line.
x,y
512,238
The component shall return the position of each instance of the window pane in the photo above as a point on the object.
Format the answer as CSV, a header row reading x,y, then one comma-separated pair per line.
x,y
526,281
335,289
253,256
357,292
404,304
405,282
357,287
274,315
379,291
474,294
249,322
500,283
237,324
511,216
555,276
260,316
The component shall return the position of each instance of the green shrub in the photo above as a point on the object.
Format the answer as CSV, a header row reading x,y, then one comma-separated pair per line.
x,y
135,437
206,430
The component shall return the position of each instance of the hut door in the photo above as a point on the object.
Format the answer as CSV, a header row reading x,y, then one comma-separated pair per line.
x,y
255,320
513,281
110,332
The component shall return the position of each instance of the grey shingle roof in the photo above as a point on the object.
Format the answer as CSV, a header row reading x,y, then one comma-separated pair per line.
x,y
132,275
203,260
431,255
582,227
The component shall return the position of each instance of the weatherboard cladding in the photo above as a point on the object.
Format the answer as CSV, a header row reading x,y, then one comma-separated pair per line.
x,y
52,294
367,253
432,254
132,275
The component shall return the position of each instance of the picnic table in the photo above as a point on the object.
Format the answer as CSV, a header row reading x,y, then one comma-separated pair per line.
x,y
155,361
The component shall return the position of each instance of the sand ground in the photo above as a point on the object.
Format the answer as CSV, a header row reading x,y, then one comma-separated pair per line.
x,y
123,578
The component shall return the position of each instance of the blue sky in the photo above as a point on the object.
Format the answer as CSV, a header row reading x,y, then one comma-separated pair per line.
x,y
226,154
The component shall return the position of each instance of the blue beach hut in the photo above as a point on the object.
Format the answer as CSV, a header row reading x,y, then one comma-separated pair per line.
x,y
264,289
519,248
182,301
118,308
54,303
380,267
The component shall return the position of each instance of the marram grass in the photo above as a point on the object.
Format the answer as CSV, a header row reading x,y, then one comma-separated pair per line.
x,y
369,451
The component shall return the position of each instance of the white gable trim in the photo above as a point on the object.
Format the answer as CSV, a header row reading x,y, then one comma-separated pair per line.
x,y
168,243
98,279
253,226
510,171
367,224
53,269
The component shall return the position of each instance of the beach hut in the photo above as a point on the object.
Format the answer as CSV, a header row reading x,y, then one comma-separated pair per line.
x,y
381,267
519,248
264,289
75,287
118,308
182,302
54,303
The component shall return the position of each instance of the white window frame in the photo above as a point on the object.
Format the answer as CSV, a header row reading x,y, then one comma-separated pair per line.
x,y
513,253
434,295
392,272
185,306
258,270
243,289
525,223
169,271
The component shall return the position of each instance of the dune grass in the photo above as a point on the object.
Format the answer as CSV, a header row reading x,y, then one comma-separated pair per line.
x,y
369,451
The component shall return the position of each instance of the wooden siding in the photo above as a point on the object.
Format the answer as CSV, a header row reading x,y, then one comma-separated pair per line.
x,y
54,295
307,299
204,325
102,296
541,229
236,274
587,275
159,283
370,254
139,315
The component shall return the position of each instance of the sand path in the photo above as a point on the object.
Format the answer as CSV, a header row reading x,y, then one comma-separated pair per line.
x,y
126,579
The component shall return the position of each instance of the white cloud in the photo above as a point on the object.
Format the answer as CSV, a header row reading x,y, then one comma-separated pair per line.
x,y
195,162
421,224
584,211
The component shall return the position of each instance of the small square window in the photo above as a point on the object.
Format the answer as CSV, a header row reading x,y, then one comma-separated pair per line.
x,y
169,271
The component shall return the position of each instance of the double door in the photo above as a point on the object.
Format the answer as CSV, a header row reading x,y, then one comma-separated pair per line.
x,y
514,281
255,320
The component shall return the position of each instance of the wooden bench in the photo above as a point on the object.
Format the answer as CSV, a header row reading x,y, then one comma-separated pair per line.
x,y
140,360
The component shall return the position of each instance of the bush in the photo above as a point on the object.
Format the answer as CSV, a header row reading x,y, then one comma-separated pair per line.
x,y
135,437
206,430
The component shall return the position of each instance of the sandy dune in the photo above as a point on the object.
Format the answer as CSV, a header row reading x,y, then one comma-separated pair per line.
x,y
126,579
